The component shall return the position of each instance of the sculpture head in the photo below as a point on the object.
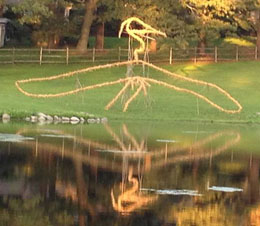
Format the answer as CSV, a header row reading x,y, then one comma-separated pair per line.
x,y
139,34
147,29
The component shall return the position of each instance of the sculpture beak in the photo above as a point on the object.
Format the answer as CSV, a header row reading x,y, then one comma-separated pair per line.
x,y
147,29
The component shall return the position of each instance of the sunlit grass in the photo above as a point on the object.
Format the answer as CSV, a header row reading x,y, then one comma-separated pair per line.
x,y
240,79
238,41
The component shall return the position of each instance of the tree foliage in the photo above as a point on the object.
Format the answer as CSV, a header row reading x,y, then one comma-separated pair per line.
x,y
33,12
248,18
186,22
210,18
2,3
46,18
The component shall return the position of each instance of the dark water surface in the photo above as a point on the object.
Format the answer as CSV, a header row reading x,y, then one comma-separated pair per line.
x,y
129,174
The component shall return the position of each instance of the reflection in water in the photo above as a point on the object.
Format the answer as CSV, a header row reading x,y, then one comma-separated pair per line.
x,y
66,190
82,194
132,149
214,214
255,216
130,199
127,178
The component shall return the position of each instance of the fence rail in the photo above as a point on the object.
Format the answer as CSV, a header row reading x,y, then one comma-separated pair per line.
x,y
171,55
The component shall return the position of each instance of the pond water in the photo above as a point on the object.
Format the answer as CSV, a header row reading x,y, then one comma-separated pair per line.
x,y
131,173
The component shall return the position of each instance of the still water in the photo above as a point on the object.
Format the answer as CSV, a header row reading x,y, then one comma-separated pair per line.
x,y
130,173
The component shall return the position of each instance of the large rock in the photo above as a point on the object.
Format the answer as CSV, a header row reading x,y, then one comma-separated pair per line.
x,y
42,119
49,118
5,117
65,119
91,120
34,118
27,119
42,115
56,118
74,119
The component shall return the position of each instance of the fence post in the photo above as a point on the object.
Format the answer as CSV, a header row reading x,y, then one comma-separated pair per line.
x,y
195,55
93,55
171,55
216,54
41,56
256,55
237,53
67,55
13,56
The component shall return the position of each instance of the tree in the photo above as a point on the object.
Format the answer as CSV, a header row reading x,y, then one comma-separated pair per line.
x,y
248,18
97,12
2,3
210,16
255,18
102,11
41,14
178,24
90,9
168,16
105,13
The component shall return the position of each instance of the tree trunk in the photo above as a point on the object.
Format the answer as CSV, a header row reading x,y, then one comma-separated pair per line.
x,y
202,44
82,192
253,191
52,171
53,41
1,11
90,7
258,39
100,36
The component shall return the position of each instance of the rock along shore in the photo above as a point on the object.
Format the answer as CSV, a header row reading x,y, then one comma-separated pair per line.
x,y
42,118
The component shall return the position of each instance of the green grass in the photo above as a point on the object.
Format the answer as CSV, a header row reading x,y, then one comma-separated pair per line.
x,y
240,79
110,42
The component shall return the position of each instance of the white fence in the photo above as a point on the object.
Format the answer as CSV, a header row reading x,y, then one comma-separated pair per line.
x,y
70,56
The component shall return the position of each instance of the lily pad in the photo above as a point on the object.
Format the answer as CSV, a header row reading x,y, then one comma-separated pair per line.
x,y
225,189
4,137
57,136
166,141
172,192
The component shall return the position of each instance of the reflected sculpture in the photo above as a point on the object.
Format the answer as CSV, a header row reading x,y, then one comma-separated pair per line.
x,y
127,146
92,185
131,198
123,153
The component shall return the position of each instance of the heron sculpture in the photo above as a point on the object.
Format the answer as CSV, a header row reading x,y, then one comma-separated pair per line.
x,y
137,83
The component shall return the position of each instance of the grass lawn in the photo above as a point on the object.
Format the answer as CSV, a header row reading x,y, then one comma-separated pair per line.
x,y
240,79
